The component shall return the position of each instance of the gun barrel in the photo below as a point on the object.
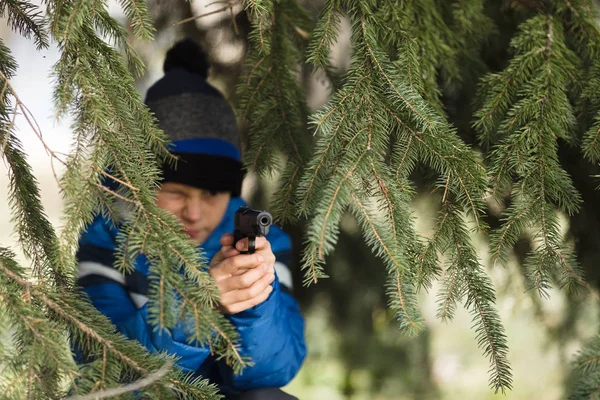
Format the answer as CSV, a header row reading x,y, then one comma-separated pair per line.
x,y
264,219
250,222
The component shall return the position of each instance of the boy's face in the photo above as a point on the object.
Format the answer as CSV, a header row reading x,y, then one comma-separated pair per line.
x,y
200,211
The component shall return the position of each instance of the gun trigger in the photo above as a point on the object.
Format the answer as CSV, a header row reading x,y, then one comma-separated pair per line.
x,y
251,244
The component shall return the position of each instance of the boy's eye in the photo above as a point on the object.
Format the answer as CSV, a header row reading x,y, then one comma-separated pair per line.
x,y
175,193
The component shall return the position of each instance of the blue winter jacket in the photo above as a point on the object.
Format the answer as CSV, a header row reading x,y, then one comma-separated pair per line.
x,y
272,333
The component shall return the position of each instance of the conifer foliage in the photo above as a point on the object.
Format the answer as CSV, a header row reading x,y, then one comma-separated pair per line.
x,y
356,154
386,117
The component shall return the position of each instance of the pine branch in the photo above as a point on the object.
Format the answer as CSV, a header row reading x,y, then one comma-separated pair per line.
x,y
36,234
439,35
404,156
94,84
223,334
588,359
256,90
452,292
322,230
423,121
259,34
586,364
591,142
27,19
454,161
481,302
401,293
571,271
324,35
284,200
351,127
581,16
139,18
389,204
90,328
260,11
189,258
490,333
34,330
80,179
367,219
271,100
296,153
403,300
530,125
472,27
131,387
332,121
590,105
311,265
495,106
323,237
427,262
517,220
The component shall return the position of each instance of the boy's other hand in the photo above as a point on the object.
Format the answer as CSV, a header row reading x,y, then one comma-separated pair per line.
x,y
244,280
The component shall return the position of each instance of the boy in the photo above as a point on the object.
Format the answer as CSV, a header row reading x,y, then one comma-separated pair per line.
x,y
203,193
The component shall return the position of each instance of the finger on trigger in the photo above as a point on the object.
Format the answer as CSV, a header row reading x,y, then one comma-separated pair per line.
x,y
242,244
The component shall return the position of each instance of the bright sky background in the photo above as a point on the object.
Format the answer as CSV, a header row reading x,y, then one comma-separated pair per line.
x,y
33,85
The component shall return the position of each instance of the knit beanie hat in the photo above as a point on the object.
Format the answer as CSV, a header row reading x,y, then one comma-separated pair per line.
x,y
198,120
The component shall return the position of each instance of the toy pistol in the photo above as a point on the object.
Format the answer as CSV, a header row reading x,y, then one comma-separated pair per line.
x,y
251,223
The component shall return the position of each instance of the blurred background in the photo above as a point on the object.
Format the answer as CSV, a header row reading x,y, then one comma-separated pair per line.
x,y
355,349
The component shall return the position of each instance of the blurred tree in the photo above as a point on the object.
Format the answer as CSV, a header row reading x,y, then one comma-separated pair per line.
x,y
490,108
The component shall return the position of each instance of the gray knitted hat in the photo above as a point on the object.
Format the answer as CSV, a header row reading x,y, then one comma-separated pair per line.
x,y
199,122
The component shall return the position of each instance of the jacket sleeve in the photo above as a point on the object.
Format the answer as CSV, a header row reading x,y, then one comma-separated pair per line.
x,y
112,300
272,335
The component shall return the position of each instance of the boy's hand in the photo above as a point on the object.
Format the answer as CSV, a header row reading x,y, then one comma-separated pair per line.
x,y
244,280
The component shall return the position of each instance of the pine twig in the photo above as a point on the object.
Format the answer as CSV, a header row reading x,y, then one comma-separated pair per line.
x,y
183,21
131,387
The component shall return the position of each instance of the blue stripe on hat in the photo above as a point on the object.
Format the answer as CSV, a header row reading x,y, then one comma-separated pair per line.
x,y
211,146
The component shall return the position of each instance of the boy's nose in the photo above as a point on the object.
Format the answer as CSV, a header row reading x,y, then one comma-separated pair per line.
x,y
193,210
